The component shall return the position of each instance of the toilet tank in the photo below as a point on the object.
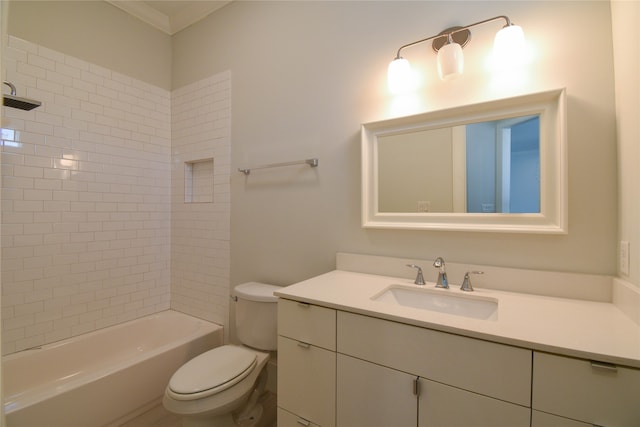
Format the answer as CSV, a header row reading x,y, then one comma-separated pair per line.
x,y
256,315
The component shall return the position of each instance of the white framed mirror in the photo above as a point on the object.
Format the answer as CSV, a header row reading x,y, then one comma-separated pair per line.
x,y
497,166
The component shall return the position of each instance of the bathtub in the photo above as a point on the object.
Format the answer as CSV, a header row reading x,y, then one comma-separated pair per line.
x,y
104,377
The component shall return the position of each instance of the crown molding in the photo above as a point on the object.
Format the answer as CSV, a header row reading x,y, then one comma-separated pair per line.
x,y
191,13
145,13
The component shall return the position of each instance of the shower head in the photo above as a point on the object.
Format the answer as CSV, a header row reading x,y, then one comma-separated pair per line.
x,y
21,103
14,101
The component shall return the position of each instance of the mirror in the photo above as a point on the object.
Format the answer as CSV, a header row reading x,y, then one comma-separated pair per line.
x,y
495,166
492,166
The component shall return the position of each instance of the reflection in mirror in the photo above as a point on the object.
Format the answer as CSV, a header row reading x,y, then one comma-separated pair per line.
x,y
496,166
485,167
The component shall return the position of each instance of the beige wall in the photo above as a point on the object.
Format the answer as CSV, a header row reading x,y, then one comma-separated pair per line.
x,y
97,32
626,43
306,74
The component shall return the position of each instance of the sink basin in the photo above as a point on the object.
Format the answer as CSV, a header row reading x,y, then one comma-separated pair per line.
x,y
440,300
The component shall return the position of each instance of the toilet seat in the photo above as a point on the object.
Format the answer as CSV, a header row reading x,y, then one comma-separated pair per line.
x,y
212,372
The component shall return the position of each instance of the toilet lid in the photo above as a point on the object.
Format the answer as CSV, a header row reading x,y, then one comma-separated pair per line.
x,y
212,371
255,291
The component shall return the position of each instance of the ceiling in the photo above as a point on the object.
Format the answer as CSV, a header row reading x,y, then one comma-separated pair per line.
x,y
169,16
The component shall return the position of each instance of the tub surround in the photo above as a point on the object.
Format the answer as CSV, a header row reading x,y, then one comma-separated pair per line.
x,y
576,315
85,198
95,227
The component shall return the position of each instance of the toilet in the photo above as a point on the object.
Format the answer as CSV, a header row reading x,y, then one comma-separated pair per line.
x,y
221,387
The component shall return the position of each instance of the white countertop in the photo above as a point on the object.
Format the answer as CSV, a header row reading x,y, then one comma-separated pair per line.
x,y
591,330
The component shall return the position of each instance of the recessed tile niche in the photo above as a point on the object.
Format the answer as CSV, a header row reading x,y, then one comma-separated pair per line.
x,y
198,181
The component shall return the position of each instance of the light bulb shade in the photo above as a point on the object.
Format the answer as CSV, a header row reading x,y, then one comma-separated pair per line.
x,y
399,76
509,45
450,61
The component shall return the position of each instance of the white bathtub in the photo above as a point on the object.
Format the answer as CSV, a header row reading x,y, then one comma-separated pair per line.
x,y
103,377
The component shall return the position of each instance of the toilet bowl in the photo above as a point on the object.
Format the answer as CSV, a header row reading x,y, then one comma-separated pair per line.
x,y
221,387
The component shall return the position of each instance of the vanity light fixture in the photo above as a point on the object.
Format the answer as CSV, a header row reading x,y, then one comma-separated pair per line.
x,y
508,46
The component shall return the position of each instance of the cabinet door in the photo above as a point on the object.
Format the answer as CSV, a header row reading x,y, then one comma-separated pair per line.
x,y
542,419
441,405
370,395
591,392
306,381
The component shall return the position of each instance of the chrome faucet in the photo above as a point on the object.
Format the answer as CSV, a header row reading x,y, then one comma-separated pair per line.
x,y
419,277
442,281
466,283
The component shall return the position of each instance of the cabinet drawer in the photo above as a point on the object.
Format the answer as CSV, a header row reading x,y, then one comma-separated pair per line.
x,y
594,393
307,323
495,370
307,381
287,419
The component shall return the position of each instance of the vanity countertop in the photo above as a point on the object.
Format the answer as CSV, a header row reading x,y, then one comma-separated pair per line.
x,y
586,329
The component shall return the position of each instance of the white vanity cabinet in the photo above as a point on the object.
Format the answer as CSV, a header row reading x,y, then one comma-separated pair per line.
x,y
306,365
338,368
586,391
392,371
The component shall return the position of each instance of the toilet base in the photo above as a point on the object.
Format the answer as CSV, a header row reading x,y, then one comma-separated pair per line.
x,y
268,410
262,415
252,418
225,420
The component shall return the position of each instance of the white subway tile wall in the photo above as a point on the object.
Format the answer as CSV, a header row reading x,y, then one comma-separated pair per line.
x,y
86,201
200,229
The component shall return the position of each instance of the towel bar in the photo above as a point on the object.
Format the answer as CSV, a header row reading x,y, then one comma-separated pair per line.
x,y
311,162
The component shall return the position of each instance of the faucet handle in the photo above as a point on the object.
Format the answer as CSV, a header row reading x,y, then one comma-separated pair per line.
x,y
466,283
419,277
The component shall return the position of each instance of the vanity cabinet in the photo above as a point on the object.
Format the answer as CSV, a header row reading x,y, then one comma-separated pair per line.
x,y
306,364
337,368
587,391
436,377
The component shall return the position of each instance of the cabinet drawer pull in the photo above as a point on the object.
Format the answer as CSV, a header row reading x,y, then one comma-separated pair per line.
x,y
303,344
604,366
303,422
304,305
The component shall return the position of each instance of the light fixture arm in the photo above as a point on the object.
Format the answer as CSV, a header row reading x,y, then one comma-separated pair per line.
x,y
417,42
449,32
